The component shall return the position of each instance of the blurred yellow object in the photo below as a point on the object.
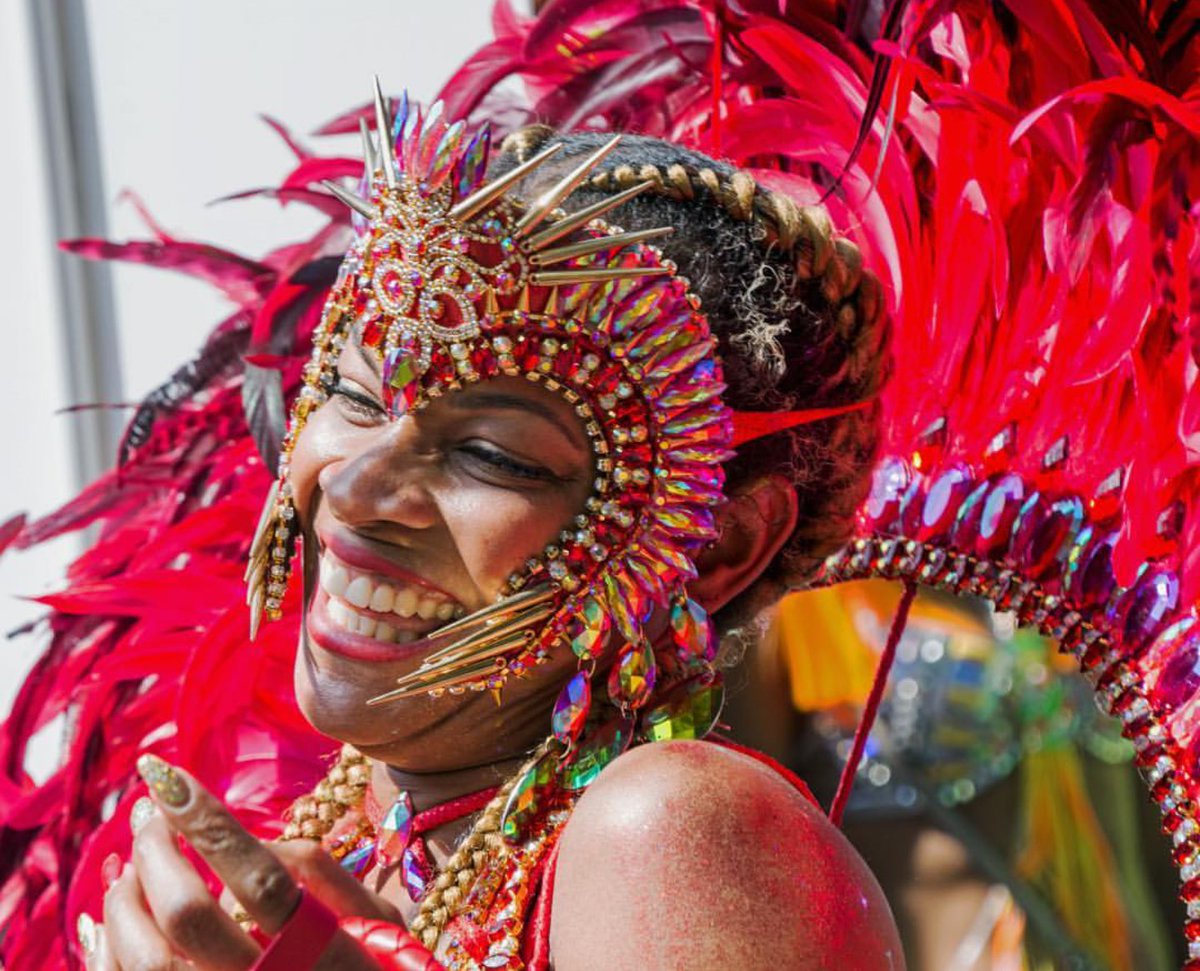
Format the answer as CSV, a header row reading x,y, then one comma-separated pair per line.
x,y
830,638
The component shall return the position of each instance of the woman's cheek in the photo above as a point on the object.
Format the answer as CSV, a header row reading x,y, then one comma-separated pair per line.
x,y
497,531
322,441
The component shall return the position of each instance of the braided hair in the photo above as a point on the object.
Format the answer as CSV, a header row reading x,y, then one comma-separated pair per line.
x,y
798,324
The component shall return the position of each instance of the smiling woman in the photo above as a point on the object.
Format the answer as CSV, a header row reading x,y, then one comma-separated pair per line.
x,y
503,485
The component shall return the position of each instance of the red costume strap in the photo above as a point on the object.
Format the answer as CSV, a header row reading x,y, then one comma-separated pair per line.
x,y
302,939
749,425
392,947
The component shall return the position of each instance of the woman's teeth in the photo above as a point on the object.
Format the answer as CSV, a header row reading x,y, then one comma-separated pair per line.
x,y
348,589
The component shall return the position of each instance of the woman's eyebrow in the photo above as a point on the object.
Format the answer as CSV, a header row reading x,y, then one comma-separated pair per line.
x,y
479,400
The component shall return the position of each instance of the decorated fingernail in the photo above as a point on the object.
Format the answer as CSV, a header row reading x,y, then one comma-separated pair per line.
x,y
166,785
141,813
85,930
110,869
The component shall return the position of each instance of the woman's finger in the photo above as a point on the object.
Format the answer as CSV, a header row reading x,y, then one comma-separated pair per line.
x,y
181,904
256,877
336,888
133,938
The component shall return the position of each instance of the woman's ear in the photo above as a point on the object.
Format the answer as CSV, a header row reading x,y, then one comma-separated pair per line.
x,y
755,524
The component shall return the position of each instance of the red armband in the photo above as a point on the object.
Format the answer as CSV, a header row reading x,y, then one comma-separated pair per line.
x,y
390,945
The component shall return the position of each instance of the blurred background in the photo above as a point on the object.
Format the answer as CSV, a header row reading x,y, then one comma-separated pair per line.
x,y
164,98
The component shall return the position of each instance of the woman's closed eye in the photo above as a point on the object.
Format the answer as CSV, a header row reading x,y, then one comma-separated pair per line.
x,y
493,460
357,401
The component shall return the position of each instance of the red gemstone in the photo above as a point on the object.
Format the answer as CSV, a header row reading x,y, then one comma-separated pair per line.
x,y
1091,577
1043,534
998,514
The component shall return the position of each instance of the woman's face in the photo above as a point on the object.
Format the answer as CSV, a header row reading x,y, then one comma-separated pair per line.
x,y
410,523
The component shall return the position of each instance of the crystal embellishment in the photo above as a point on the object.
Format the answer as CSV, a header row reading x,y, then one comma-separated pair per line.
x,y
395,831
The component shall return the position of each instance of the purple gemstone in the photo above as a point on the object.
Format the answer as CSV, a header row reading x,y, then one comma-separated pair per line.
x,y
946,494
999,512
891,479
1177,655
1043,534
1146,607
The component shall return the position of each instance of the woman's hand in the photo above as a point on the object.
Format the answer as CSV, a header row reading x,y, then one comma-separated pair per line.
x,y
158,913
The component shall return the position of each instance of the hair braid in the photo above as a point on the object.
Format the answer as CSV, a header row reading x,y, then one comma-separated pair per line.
x,y
312,816
483,843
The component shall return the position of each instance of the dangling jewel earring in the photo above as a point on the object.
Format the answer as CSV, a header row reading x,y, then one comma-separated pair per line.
x,y
268,565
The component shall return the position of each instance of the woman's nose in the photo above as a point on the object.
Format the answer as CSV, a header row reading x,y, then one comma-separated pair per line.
x,y
383,483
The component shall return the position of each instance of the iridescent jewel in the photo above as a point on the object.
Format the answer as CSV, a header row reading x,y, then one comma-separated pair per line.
x,y
632,677
395,831
358,860
415,871
400,380
629,607
596,751
469,169
571,709
691,630
966,523
444,156
589,629
688,711
526,799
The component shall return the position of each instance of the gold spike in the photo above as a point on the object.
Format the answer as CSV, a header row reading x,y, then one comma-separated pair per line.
x,y
261,531
458,678
549,278
491,306
542,206
501,610
351,200
551,307
484,195
523,299
256,612
370,156
574,220
496,696
428,671
477,643
383,126
587,246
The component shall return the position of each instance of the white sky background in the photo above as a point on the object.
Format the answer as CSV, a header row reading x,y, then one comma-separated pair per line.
x,y
179,87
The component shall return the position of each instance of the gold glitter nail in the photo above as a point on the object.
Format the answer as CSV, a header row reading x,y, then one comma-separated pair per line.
x,y
165,783
85,930
141,813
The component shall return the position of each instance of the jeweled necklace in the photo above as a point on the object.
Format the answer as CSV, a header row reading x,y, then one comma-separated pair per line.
x,y
398,832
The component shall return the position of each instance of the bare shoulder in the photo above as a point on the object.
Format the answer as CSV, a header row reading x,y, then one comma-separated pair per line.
x,y
688,854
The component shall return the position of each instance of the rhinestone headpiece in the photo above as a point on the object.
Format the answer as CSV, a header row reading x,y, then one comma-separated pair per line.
x,y
452,281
